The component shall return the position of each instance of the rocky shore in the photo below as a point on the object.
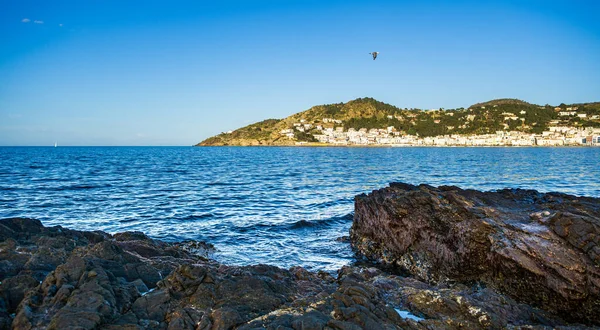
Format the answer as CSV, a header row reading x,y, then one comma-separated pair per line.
x,y
540,249
440,258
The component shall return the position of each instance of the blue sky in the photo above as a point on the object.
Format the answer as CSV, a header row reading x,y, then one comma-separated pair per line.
x,y
175,72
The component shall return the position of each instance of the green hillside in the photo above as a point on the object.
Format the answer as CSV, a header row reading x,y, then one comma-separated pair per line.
x,y
267,132
261,133
368,113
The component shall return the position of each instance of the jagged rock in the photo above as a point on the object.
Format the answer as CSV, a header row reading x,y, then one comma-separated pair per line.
x,y
13,290
130,281
203,249
538,248
89,280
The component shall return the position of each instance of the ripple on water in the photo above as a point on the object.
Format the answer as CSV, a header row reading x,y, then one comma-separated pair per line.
x,y
281,206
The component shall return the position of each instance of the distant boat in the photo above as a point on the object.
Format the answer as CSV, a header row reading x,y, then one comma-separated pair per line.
x,y
55,144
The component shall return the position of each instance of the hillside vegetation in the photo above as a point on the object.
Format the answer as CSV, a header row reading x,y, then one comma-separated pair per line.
x,y
261,133
368,113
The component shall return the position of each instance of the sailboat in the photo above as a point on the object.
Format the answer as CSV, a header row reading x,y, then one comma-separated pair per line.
x,y
55,144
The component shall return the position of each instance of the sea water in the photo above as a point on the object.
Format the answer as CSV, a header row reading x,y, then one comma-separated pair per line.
x,y
280,206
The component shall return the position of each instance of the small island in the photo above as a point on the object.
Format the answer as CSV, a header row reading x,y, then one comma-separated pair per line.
x,y
368,122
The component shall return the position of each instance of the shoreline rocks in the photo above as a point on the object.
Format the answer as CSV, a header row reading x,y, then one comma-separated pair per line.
x,y
539,249
56,278
466,257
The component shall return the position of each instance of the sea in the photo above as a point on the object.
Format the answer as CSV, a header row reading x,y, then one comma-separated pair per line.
x,y
284,206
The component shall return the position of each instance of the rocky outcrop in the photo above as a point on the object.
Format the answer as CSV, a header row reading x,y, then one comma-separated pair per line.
x,y
540,249
60,278
56,278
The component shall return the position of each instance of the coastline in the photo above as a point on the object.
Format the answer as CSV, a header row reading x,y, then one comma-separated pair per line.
x,y
366,121
60,278
321,145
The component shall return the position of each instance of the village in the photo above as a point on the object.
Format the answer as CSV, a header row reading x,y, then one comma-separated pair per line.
x,y
337,135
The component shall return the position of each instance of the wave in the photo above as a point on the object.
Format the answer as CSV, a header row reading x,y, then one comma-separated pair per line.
x,y
173,220
176,171
194,217
219,183
81,187
46,179
326,204
84,186
323,223
297,225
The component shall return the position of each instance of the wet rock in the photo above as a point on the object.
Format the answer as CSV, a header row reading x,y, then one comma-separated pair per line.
x,y
538,248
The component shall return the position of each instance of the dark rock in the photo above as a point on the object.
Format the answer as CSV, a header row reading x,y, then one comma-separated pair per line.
x,y
131,236
312,320
19,227
152,306
225,318
343,239
13,289
581,231
184,318
91,280
539,248
202,249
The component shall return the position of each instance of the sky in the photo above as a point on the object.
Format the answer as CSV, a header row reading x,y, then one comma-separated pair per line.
x,y
106,72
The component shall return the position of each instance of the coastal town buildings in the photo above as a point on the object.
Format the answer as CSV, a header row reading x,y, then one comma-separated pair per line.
x,y
388,136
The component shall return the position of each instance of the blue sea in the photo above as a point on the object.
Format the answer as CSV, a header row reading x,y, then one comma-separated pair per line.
x,y
280,206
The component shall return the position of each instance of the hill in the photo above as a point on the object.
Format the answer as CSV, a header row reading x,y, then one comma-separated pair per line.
x,y
268,132
368,114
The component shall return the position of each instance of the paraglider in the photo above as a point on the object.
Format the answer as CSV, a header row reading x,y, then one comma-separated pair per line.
x,y
374,55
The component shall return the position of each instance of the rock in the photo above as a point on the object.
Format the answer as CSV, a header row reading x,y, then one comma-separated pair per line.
x,y
19,228
88,278
312,320
152,306
202,249
13,289
91,280
185,318
131,236
225,318
581,231
541,249
140,286
343,239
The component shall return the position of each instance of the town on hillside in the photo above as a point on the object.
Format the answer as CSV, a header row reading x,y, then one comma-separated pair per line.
x,y
555,136
558,132
369,122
